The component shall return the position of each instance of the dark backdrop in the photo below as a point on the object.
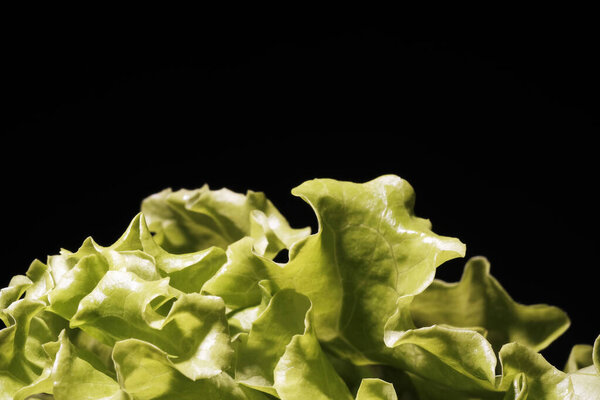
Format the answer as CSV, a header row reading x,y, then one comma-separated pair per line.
x,y
492,123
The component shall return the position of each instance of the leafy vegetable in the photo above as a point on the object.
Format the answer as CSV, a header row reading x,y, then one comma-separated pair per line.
x,y
478,300
189,303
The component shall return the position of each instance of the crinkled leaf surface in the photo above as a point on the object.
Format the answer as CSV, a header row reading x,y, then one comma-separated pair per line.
x,y
23,358
41,280
186,221
543,381
75,378
146,372
15,289
193,331
77,283
453,358
370,251
187,272
268,338
237,280
282,356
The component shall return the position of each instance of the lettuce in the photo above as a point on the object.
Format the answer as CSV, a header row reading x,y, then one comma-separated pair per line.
x,y
190,303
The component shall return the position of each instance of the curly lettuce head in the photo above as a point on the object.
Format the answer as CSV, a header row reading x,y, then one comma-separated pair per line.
x,y
189,303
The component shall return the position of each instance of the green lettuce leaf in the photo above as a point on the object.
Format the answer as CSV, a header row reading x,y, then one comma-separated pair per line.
x,y
43,384
41,281
542,380
74,377
304,371
146,372
23,357
354,289
190,327
186,221
503,319
77,283
236,282
579,357
370,251
583,372
22,354
585,383
242,320
271,332
187,272
376,389
452,359
13,292
282,354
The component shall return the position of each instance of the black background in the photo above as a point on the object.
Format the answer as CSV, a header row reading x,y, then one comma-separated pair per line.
x,y
491,120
